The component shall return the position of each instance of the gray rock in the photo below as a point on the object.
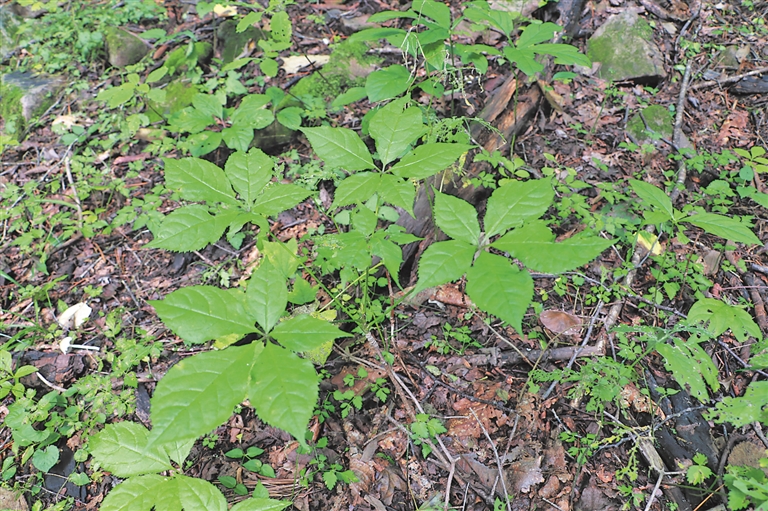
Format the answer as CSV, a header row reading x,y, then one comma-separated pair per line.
x,y
9,24
625,49
27,94
124,48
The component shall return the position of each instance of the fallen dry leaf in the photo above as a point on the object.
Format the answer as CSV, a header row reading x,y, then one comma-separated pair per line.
x,y
560,322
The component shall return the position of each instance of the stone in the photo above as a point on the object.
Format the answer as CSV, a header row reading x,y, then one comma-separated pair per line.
x,y
660,125
12,501
624,47
24,96
230,44
9,24
124,48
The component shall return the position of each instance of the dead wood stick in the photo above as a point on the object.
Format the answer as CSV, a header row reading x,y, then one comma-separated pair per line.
x,y
730,79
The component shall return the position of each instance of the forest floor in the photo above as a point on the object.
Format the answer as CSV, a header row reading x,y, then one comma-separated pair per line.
x,y
451,362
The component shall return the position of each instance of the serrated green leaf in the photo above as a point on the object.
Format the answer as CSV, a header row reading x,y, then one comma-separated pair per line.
x,y
397,192
122,449
725,227
690,366
283,256
260,505
178,451
534,244
191,228
357,188
304,333
744,410
252,114
429,159
391,255
198,180
444,261
203,143
516,202
237,138
267,295
719,317
249,173
202,313
457,218
193,494
278,198
199,393
655,197
284,390
339,147
498,287
387,83
135,494
395,129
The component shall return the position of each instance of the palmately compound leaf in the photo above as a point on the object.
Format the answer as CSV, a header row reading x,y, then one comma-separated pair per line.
x,y
202,313
284,390
429,159
722,316
534,244
690,366
278,198
443,262
516,202
122,449
249,173
198,180
498,287
339,147
744,410
397,192
304,333
267,295
457,218
655,197
255,504
199,393
725,227
137,493
395,129
191,228
357,188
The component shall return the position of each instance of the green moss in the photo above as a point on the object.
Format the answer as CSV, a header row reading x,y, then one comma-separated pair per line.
x,y
10,108
623,49
659,121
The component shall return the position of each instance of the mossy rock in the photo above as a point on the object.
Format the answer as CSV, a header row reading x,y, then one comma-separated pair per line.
x,y
9,25
625,49
231,43
183,59
659,121
24,97
124,48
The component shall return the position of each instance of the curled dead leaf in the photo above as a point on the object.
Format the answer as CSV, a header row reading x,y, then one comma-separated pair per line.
x,y
560,322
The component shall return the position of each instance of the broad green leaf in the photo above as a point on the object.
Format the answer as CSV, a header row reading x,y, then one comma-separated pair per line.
x,y
281,27
443,262
690,366
157,75
192,494
201,313
284,390
237,138
278,198
199,393
252,114
208,104
457,218
534,244
395,129
339,147
191,228
524,59
720,317
290,117
305,333
198,180
282,256
203,143
387,83
45,458
537,33
498,287
725,227
364,220
116,96
135,494
744,410
655,197
438,11
357,188
122,449
190,120
179,450
391,255
564,54
255,504
429,159
267,295
352,95
397,192
374,34
516,202
249,173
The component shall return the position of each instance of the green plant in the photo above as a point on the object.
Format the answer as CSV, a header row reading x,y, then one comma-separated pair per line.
x,y
747,486
699,471
458,334
250,462
424,429
125,450
331,473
